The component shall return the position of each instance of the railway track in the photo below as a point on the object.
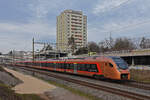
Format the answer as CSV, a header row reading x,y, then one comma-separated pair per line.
x,y
133,84
127,94
137,85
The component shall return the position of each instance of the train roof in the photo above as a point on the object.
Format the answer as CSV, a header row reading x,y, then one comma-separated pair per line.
x,y
82,59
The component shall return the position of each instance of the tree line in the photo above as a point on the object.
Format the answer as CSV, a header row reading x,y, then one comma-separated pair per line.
x,y
118,44
107,45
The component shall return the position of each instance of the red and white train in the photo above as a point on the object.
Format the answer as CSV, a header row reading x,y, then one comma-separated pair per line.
x,y
97,66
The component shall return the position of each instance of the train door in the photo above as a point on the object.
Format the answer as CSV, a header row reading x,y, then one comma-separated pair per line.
x,y
65,66
108,70
54,66
75,68
105,69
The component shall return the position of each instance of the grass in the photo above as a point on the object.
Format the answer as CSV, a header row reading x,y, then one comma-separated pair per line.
x,y
75,91
140,75
30,97
3,70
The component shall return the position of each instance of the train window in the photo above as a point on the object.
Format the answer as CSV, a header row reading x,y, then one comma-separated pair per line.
x,y
71,66
37,64
52,65
34,64
82,67
56,65
78,66
62,65
67,66
86,67
49,65
43,64
93,68
59,65
111,65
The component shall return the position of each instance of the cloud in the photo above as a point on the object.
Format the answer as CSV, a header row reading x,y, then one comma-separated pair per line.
x,y
29,28
37,18
42,8
19,36
130,28
129,24
107,5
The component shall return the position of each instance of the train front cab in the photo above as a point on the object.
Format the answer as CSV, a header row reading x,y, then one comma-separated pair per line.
x,y
116,68
122,68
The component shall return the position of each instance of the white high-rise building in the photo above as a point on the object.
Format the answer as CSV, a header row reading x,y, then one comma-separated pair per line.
x,y
71,23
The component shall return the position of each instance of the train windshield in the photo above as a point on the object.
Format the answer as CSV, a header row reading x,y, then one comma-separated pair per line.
x,y
120,63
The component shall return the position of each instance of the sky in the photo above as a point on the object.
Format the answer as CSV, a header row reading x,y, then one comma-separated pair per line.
x,y
21,20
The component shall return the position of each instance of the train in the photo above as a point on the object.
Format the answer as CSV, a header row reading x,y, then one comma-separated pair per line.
x,y
110,67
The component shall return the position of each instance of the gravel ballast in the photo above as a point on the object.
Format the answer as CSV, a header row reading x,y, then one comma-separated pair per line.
x,y
9,79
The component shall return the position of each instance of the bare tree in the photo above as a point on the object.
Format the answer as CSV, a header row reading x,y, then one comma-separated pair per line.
x,y
45,48
82,50
71,42
123,44
48,47
93,47
104,47
145,43
10,53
